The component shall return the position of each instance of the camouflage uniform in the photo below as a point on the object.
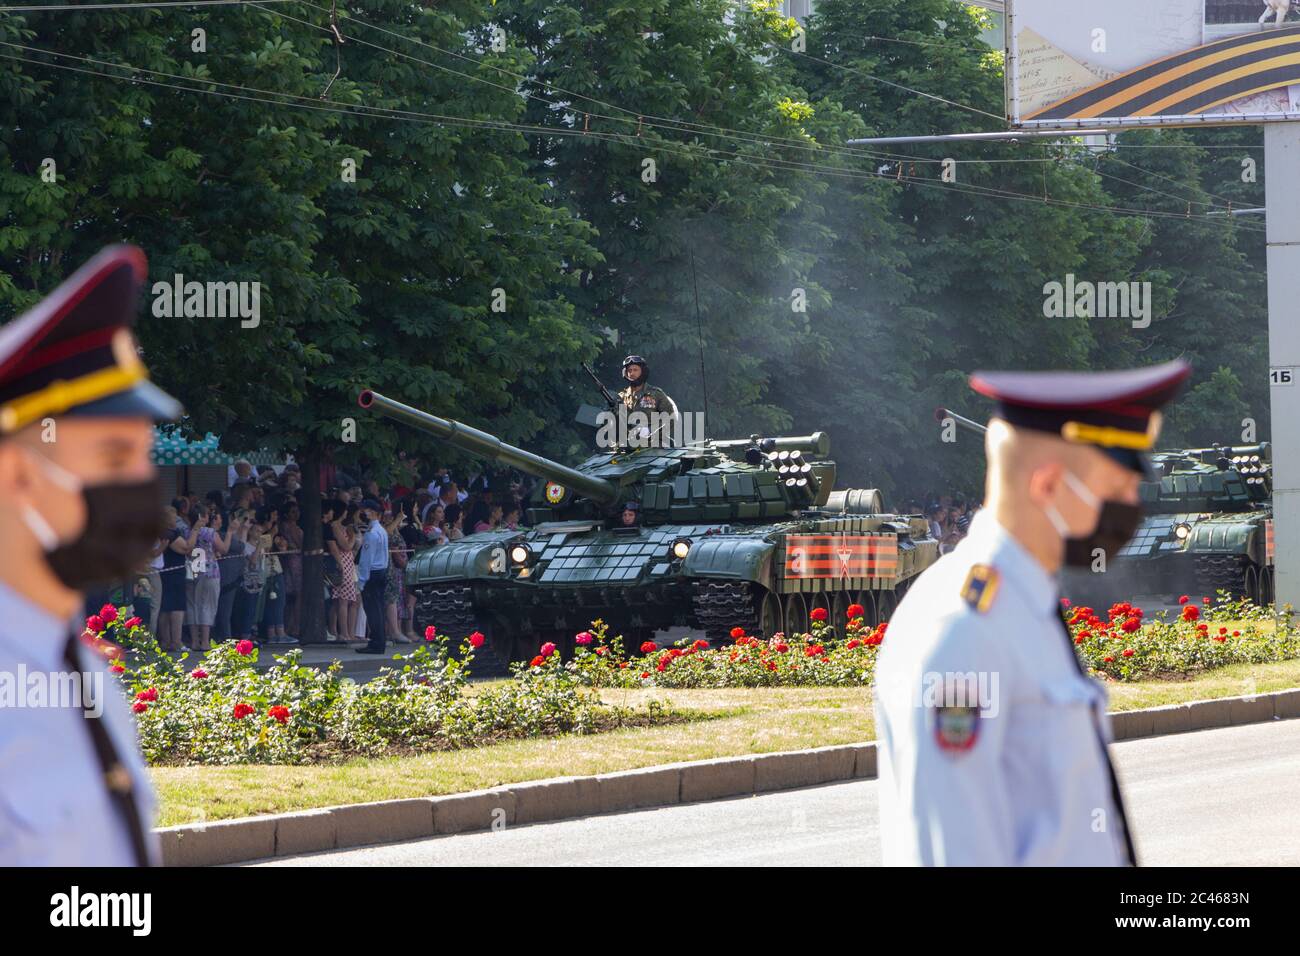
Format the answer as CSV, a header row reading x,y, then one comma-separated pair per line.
x,y
651,400
647,398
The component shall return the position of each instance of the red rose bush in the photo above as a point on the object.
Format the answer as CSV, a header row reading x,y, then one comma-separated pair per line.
x,y
1123,644
820,657
227,710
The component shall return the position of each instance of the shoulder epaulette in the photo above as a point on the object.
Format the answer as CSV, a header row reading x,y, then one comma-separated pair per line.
x,y
981,587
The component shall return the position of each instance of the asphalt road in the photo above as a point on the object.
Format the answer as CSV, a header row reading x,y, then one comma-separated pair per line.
x,y
1214,797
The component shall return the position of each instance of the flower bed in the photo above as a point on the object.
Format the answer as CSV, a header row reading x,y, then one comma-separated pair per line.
x,y
226,711
1125,646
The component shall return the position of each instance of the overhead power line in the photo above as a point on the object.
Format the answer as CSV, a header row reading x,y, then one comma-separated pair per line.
x,y
650,120
628,115
437,119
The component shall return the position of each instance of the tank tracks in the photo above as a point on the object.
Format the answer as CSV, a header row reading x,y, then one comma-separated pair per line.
x,y
1216,572
722,605
451,611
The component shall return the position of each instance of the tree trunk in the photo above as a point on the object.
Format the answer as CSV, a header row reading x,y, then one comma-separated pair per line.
x,y
312,613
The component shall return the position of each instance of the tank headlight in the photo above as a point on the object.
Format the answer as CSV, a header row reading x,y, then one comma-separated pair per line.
x,y
1182,530
681,547
520,554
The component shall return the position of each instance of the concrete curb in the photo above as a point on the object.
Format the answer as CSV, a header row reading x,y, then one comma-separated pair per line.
x,y
567,798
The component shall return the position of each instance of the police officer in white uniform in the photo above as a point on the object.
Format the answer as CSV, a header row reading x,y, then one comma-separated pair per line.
x,y
80,507
992,738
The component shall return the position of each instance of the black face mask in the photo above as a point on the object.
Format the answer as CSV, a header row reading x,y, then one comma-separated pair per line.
x,y
122,523
1116,523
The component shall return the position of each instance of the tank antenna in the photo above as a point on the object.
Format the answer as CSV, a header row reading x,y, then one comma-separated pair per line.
x,y
699,329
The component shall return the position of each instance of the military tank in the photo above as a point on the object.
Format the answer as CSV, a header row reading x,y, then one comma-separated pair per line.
x,y
729,533
1208,527
1209,524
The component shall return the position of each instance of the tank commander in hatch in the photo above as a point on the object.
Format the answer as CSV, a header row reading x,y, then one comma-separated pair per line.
x,y
640,396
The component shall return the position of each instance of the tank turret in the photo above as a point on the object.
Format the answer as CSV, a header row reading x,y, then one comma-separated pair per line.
x,y
1222,478
739,479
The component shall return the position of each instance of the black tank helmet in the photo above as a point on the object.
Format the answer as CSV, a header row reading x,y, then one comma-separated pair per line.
x,y
637,360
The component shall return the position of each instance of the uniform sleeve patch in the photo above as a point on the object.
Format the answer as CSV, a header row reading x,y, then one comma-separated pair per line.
x,y
956,728
981,587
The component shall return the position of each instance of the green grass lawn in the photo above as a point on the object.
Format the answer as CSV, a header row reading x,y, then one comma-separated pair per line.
x,y
741,721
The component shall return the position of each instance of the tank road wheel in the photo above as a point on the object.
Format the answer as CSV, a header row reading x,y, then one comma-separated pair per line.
x,y
796,614
1220,572
451,611
840,613
1251,584
887,603
1266,595
868,601
771,620
721,605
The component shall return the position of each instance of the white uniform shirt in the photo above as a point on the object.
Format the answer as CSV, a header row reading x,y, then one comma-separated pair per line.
x,y
1024,783
55,808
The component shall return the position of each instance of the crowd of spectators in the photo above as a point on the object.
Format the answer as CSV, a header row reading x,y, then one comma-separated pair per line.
x,y
949,517
229,565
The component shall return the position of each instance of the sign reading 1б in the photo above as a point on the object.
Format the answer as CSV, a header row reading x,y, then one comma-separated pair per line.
x,y
1281,376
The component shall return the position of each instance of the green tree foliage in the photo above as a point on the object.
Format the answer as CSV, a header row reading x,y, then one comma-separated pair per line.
x,y
389,281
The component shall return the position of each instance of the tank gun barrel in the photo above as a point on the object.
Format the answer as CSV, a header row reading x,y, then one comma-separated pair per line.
x,y
943,413
489,446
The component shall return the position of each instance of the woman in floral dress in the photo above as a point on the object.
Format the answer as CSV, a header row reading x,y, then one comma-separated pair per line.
x,y
346,596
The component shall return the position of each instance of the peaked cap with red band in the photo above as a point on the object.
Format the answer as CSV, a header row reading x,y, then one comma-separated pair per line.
x,y
1116,412
74,354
